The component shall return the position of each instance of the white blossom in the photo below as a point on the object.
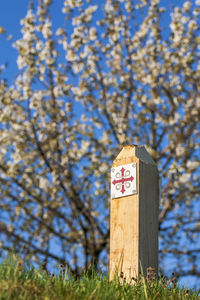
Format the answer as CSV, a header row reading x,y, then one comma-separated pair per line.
x,y
186,6
184,178
192,25
192,164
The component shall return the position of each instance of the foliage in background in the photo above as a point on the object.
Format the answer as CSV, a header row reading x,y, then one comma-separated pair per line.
x,y
24,283
112,75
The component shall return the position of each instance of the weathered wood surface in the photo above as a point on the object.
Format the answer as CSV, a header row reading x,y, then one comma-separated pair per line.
x,y
134,219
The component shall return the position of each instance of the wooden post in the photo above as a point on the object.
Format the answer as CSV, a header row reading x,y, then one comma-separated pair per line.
x,y
133,214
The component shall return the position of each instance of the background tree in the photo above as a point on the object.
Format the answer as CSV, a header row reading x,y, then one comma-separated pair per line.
x,y
112,75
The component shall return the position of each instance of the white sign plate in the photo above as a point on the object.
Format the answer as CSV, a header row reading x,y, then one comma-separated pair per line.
x,y
124,180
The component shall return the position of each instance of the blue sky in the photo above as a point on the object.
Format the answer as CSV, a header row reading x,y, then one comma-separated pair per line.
x,y
11,12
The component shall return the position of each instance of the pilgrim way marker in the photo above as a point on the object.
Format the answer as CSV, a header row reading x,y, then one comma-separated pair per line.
x,y
123,180
133,214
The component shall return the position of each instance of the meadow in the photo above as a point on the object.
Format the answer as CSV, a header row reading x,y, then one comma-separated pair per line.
x,y
19,280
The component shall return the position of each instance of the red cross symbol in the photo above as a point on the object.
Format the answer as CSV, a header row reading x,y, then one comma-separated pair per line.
x,y
122,180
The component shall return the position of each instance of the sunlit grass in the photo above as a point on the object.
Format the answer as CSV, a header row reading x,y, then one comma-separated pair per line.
x,y
18,281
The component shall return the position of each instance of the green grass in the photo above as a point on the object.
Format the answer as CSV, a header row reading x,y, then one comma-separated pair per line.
x,y
20,282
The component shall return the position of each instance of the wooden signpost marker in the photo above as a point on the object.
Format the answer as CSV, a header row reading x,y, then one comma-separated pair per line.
x,y
133,214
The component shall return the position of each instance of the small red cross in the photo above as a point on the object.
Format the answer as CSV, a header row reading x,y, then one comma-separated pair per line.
x,y
122,180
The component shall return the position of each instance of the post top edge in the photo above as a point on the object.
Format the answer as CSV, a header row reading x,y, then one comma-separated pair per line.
x,y
138,151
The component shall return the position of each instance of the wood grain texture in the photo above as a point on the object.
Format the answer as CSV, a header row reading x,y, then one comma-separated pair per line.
x,y
134,219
